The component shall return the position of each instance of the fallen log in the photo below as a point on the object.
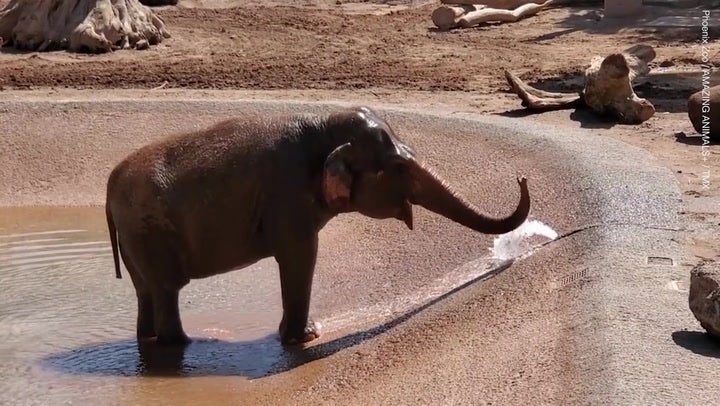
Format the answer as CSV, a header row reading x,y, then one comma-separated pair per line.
x,y
446,17
608,88
474,18
498,4
512,4
540,100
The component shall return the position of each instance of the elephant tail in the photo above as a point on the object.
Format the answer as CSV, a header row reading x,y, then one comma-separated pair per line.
x,y
113,240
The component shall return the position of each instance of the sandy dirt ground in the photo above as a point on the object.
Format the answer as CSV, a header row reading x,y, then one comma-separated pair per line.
x,y
387,53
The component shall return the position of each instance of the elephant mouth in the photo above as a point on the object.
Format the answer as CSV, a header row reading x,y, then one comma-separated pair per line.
x,y
405,214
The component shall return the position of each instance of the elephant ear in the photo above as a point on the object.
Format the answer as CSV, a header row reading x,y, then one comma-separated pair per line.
x,y
337,178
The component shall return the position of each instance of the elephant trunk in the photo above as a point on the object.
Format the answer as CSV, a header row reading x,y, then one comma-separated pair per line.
x,y
433,193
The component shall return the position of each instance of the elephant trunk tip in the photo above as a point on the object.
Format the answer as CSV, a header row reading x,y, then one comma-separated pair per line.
x,y
522,211
433,193
497,226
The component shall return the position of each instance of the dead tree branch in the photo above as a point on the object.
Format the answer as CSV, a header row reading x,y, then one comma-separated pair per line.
x,y
608,88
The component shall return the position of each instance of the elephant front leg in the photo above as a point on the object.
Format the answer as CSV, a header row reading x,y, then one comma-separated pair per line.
x,y
146,318
297,265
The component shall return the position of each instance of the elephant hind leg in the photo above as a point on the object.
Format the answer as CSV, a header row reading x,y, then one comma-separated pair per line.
x,y
167,318
160,277
145,328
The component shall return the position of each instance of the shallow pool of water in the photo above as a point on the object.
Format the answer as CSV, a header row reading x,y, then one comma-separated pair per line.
x,y
67,324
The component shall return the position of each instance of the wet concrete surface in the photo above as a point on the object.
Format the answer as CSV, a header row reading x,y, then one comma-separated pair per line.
x,y
407,316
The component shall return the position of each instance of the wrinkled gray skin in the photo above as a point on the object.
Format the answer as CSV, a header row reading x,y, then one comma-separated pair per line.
x,y
207,202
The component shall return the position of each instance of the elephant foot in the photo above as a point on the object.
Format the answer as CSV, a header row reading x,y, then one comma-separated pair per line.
x,y
173,340
145,332
299,336
145,337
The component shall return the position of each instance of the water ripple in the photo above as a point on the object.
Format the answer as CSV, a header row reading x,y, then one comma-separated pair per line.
x,y
35,247
36,233
29,242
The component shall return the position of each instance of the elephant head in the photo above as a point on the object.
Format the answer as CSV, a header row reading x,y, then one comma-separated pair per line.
x,y
377,175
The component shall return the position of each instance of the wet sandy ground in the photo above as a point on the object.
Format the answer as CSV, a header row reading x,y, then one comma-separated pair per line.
x,y
598,315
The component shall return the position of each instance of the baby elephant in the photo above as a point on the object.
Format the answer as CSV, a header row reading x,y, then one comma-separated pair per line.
x,y
211,201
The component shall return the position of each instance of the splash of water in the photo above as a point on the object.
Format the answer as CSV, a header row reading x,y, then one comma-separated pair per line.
x,y
506,247
516,243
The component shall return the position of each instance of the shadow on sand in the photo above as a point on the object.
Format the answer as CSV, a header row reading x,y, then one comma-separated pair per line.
x,y
590,19
694,139
700,343
209,357
581,114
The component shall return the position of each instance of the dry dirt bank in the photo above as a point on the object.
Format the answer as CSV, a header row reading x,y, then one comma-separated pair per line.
x,y
365,45
388,52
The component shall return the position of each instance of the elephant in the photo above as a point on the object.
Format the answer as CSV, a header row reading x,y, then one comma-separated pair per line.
x,y
205,202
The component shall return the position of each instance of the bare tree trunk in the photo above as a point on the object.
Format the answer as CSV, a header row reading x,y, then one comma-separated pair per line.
x,y
474,18
540,100
511,4
80,25
608,88
501,4
608,85
446,17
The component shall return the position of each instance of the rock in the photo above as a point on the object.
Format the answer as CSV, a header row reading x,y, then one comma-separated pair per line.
x,y
695,113
704,297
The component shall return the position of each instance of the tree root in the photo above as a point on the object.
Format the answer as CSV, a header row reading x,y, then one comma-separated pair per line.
x,y
608,88
80,25
540,100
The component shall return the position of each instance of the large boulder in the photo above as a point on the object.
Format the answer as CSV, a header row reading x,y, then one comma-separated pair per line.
x,y
695,113
704,298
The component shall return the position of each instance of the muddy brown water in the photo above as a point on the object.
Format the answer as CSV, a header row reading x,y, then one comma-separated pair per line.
x,y
67,325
